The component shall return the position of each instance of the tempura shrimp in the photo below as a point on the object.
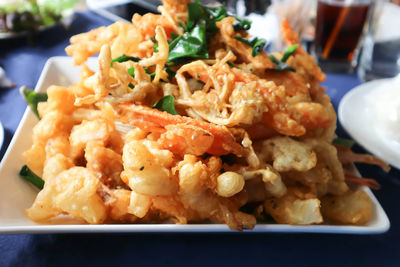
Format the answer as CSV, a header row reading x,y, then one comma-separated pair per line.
x,y
154,120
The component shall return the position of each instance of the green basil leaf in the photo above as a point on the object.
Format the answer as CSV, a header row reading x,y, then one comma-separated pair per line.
x,y
124,58
199,28
32,99
28,175
173,37
344,142
189,45
167,103
288,52
195,13
183,26
198,12
130,85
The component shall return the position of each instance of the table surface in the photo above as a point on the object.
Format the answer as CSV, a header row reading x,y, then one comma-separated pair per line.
x,y
23,64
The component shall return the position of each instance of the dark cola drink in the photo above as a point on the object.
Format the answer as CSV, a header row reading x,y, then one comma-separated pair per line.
x,y
339,26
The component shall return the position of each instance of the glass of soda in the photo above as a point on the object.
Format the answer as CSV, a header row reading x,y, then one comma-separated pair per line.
x,y
339,28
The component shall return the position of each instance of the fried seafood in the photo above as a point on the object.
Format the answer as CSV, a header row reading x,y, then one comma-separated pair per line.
x,y
294,208
187,120
77,197
219,139
349,208
261,61
346,156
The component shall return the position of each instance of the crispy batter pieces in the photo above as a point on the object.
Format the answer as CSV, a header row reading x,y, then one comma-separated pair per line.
x,y
245,137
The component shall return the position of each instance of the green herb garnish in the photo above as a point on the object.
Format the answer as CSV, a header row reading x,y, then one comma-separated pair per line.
x,y
183,26
344,142
217,13
167,103
152,74
124,58
289,51
173,37
171,73
279,65
282,65
190,45
242,40
257,44
32,99
200,27
231,65
28,175
131,72
210,15
155,46
242,24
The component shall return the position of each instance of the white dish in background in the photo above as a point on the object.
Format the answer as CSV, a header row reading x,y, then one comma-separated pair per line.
x,y
16,194
358,118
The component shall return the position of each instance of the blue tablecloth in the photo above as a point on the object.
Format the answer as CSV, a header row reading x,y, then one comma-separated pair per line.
x,y
24,63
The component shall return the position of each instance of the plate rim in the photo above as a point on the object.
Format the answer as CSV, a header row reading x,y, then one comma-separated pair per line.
x,y
344,105
177,228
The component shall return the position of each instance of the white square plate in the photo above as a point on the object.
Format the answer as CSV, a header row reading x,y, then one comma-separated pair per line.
x,y
356,113
16,194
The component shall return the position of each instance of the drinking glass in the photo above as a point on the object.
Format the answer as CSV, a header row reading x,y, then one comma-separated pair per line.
x,y
339,28
380,55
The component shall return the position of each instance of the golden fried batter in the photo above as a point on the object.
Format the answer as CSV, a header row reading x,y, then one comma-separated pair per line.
x,y
238,134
